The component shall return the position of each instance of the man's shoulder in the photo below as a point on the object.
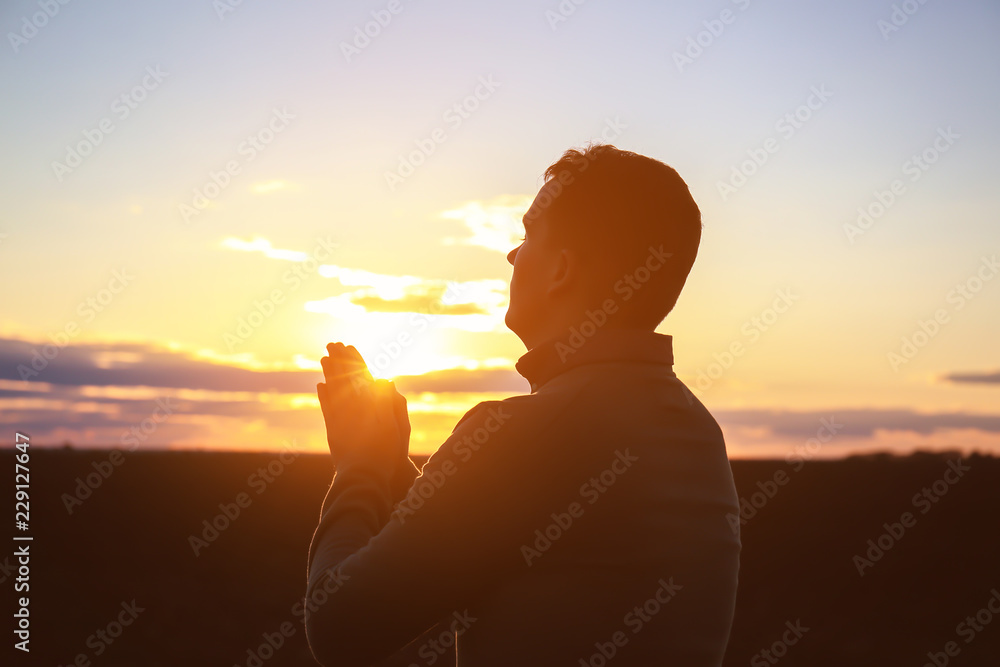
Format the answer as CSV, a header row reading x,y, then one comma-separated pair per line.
x,y
528,409
499,410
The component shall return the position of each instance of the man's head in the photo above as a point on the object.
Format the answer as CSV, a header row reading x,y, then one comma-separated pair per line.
x,y
607,224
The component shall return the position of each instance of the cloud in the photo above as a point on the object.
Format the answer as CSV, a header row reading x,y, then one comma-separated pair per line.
x,y
456,380
85,371
97,394
472,305
264,246
93,393
382,283
987,377
416,303
494,224
138,364
856,423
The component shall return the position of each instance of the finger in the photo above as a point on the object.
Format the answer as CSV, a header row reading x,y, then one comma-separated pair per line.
x,y
333,353
338,373
335,356
385,398
323,400
354,361
399,410
398,398
334,376
354,369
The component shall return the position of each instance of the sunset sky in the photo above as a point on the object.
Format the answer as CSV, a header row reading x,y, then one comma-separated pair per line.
x,y
198,196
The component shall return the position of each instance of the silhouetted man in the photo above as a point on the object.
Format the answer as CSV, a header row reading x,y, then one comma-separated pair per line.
x,y
581,524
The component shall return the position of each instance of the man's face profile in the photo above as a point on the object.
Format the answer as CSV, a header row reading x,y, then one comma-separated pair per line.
x,y
533,264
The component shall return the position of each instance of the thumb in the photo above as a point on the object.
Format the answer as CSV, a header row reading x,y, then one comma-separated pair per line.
x,y
321,394
401,415
385,395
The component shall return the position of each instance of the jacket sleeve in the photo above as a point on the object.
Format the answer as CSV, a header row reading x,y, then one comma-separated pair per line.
x,y
379,575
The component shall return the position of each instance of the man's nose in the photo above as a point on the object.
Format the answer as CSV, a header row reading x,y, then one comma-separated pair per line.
x,y
511,255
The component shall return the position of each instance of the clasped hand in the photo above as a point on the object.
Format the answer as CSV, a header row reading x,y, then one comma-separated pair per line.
x,y
366,420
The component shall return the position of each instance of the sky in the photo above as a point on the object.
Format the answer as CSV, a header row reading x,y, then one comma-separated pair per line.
x,y
198,196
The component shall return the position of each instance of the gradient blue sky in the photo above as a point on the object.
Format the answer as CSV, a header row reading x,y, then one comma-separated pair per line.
x,y
323,176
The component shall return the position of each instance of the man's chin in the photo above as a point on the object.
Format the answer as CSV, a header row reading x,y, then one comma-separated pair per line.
x,y
514,325
510,322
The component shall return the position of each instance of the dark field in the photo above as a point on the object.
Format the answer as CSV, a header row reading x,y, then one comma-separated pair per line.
x,y
130,541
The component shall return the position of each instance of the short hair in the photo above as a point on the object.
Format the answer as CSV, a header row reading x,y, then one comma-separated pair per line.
x,y
611,205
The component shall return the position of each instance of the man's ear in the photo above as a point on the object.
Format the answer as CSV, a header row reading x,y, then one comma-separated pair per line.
x,y
565,270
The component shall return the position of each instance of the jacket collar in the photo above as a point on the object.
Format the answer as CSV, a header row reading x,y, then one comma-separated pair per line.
x,y
543,362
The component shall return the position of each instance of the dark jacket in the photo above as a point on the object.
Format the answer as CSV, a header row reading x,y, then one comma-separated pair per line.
x,y
584,520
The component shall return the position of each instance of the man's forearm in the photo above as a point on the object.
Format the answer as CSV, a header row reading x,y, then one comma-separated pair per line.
x,y
403,477
357,505
380,580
